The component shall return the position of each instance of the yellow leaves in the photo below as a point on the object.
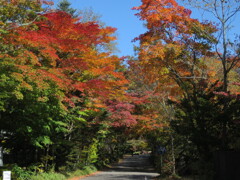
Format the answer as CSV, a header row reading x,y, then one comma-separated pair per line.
x,y
27,86
107,34
164,70
212,73
212,68
27,58
18,94
1,23
42,99
97,103
17,76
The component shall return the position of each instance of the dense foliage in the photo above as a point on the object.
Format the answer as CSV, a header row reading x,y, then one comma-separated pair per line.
x,y
59,88
195,85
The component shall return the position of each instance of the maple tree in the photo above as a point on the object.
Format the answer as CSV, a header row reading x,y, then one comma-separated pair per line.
x,y
75,56
175,44
121,113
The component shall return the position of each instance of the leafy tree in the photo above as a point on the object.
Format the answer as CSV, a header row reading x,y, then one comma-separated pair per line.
x,y
20,13
175,45
13,15
55,82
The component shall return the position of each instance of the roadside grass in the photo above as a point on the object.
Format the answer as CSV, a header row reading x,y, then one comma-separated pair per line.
x,y
19,173
49,176
70,175
82,172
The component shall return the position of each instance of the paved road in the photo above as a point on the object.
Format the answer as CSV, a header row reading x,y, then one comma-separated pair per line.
x,y
136,167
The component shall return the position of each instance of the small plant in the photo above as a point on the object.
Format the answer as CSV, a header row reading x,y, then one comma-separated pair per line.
x,y
21,173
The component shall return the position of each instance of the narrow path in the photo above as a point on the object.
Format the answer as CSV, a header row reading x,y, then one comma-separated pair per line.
x,y
135,167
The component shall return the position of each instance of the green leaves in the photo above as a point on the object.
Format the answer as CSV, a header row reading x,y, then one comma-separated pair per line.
x,y
83,113
18,95
42,141
81,119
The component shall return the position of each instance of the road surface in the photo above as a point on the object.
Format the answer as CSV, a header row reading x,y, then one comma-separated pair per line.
x,y
135,167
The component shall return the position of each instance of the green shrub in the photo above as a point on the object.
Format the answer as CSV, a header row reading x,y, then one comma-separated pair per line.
x,y
20,173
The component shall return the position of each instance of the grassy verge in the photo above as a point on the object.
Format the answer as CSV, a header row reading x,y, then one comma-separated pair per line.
x,y
82,172
23,174
49,176
70,175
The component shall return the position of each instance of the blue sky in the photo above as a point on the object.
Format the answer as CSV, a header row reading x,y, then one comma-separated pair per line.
x,y
118,14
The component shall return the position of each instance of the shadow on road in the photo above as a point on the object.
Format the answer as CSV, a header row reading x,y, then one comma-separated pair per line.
x,y
136,167
136,163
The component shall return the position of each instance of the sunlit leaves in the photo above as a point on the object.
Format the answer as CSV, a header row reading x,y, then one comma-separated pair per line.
x,y
175,45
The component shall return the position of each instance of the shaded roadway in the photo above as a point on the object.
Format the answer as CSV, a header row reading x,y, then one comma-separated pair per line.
x,y
136,167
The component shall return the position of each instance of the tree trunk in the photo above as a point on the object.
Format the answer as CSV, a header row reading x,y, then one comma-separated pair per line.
x,y
1,156
36,155
47,156
173,155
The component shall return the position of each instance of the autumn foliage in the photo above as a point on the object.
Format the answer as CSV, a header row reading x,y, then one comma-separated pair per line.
x,y
67,101
192,83
67,50
57,79
175,44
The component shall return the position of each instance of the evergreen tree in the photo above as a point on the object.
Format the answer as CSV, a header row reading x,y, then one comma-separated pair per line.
x,y
64,5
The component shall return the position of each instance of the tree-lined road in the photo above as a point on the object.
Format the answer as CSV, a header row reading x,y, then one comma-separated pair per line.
x,y
131,167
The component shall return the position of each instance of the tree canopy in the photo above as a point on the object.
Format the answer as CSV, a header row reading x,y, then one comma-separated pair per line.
x,y
68,102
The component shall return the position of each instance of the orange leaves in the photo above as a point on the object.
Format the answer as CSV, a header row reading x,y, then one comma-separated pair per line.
x,y
167,21
172,51
105,32
162,13
170,58
47,2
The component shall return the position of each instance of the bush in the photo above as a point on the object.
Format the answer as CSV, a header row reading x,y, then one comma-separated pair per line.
x,y
17,172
